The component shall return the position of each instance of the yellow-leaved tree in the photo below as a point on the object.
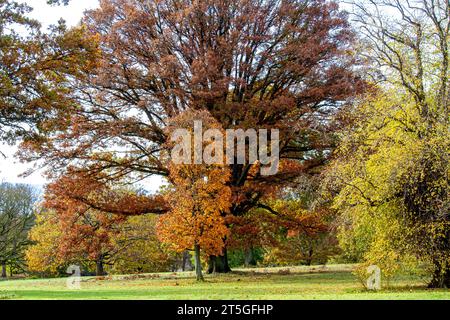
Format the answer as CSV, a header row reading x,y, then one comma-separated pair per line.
x,y
391,172
392,182
41,256
139,249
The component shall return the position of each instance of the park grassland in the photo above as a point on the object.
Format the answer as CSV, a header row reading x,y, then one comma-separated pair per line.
x,y
297,283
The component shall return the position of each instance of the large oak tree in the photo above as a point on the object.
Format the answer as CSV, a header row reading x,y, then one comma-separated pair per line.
x,y
250,64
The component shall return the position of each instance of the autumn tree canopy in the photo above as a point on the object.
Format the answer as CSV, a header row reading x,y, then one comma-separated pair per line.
x,y
156,62
70,229
90,215
391,171
41,255
251,64
34,70
97,242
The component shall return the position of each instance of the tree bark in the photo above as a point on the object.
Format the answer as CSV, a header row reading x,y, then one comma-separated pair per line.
x,y
219,264
198,264
100,271
309,259
187,264
250,260
3,269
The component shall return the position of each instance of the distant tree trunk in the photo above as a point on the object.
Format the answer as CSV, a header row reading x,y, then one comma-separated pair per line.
x,y
3,269
198,264
186,263
100,271
309,259
219,264
249,260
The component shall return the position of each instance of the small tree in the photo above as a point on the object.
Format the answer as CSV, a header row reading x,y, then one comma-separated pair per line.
x,y
306,237
81,231
16,219
86,233
199,197
129,246
41,256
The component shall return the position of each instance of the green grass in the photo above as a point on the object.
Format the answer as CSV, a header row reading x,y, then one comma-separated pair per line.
x,y
332,282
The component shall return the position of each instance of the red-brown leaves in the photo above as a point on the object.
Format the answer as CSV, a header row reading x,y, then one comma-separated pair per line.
x,y
250,64
89,214
94,194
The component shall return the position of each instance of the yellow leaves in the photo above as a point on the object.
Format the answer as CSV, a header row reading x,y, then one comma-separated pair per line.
x,y
139,249
41,257
390,182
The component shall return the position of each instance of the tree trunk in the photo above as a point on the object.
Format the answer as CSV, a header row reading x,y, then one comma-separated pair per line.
x,y
100,270
441,278
219,264
198,264
3,269
250,260
309,259
187,264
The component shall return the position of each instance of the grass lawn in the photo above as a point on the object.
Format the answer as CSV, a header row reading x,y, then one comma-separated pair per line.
x,y
324,283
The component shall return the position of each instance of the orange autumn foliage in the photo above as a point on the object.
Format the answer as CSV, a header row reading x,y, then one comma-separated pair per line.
x,y
86,233
90,213
198,199
264,228
97,195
